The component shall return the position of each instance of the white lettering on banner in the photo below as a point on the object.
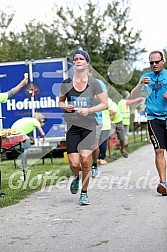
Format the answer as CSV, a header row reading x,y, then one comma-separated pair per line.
x,y
20,105
44,102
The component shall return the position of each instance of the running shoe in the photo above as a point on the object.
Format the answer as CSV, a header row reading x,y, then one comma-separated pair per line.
x,y
83,201
94,171
74,185
162,188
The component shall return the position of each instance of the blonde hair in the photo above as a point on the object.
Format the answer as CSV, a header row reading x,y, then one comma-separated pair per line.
x,y
39,117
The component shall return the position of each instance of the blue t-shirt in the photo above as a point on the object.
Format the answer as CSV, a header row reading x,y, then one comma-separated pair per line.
x,y
155,89
99,114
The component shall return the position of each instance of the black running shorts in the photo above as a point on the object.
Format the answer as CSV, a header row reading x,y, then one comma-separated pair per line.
x,y
158,133
79,138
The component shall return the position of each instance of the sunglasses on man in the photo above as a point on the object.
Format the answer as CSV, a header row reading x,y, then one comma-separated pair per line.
x,y
155,62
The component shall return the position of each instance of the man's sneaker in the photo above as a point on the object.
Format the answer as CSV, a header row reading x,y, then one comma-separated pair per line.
x,y
162,188
83,201
124,154
74,185
94,171
113,157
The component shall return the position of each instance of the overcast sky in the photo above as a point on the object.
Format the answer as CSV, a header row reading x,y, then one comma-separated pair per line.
x,y
147,15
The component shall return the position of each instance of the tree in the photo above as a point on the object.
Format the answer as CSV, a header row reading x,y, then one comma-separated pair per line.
x,y
105,35
121,41
42,40
83,31
5,21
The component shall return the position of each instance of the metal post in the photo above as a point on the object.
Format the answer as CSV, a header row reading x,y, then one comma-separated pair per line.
x,y
32,96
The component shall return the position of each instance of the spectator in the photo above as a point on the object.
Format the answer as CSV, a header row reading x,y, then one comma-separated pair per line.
x,y
25,126
116,119
124,107
110,142
105,132
7,95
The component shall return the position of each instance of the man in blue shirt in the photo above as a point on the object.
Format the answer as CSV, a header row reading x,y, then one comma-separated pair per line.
x,y
153,86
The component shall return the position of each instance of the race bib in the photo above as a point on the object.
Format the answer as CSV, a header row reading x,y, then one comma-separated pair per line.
x,y
80,102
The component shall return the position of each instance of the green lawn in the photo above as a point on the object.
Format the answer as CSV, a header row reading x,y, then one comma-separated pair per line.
x,y
16,189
